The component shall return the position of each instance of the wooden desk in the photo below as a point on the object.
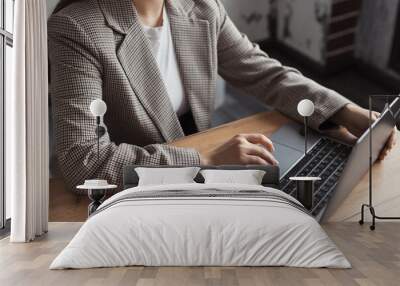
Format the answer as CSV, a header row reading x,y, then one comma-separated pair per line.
x,y
265,123
386,194
64,206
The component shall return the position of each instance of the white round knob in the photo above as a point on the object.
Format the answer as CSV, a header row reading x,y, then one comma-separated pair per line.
x,y
98,107
305,107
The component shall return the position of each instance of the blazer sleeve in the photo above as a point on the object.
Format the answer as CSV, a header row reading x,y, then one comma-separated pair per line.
x,y
245,66
76,80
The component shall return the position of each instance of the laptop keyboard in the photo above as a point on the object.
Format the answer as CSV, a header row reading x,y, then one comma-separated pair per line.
x,y
325,160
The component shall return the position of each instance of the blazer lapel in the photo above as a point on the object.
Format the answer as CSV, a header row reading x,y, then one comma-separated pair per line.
x,y
140,66
193,47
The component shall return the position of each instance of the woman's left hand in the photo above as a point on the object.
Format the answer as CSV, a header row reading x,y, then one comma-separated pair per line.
x,y
353,121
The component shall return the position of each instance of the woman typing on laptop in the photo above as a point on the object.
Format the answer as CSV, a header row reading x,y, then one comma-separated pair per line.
x,y
155,64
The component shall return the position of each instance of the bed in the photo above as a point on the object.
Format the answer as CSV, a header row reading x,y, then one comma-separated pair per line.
x,y
198,224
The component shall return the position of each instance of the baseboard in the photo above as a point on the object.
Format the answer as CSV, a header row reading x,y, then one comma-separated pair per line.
x,y
388,80
336,66
294,55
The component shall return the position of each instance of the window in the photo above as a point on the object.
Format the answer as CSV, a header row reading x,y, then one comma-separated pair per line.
x,y
6,65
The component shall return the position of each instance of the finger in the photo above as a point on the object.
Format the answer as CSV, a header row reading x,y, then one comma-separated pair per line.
x,y
393,139
384,152
383,155
255,160
262,153
342,134
388,146
375,115
260,139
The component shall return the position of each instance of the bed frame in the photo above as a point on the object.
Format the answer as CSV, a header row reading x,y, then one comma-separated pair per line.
x,y
271,178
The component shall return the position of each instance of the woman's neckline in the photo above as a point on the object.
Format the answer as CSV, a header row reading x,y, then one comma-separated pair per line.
x,y
158,27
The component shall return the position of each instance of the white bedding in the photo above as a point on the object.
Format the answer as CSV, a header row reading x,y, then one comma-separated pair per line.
x,y
200,231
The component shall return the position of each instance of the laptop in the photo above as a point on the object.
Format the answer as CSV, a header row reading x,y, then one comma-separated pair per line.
x,y
339,165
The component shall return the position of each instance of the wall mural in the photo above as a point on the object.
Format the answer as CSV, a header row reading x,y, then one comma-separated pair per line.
x,y
51,4
251,17
302,25
376,32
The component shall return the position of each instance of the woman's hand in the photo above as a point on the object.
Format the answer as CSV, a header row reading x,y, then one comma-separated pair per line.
x,y
354,121
244,149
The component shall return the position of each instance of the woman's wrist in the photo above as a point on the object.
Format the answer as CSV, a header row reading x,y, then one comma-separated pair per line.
x,y
340,118
205,159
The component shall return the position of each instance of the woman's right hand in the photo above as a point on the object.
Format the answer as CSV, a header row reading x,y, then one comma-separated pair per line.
x,y
243,149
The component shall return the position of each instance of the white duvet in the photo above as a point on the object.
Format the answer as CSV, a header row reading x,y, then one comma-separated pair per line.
x,y
200,231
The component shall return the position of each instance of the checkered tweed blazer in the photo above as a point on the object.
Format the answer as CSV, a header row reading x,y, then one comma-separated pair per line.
x,y
97,49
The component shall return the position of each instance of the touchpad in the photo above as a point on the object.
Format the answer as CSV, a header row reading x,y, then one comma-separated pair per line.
x,y
289,144
291,135
286,157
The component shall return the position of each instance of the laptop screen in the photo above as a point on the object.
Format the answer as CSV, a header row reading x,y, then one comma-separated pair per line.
x,y
358,161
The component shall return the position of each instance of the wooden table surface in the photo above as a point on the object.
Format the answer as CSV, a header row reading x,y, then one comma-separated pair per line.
x,y
386,194
265,123
65,206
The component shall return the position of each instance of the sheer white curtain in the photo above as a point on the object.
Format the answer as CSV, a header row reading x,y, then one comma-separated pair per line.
x,y
27,124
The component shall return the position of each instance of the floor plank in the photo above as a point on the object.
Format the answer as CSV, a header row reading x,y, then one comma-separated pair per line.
x,y
375,257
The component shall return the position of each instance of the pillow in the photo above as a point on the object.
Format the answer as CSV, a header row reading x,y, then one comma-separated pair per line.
x,y
166,176
245,177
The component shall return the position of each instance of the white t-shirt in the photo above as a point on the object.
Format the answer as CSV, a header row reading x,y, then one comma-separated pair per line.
x,y
164,52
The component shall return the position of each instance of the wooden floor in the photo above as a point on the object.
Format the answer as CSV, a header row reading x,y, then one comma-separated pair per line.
x,y
375,257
